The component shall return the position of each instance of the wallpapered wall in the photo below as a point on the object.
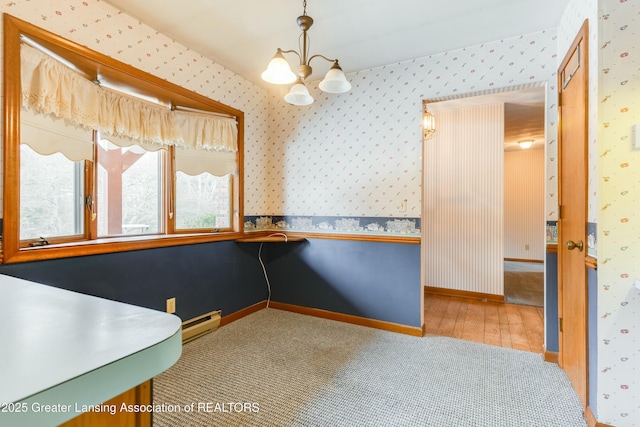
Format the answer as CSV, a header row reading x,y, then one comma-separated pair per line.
x,y
524,204
618,214
103,28
353,154
359,153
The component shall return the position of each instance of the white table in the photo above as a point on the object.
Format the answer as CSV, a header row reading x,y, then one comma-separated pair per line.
x,y
66,350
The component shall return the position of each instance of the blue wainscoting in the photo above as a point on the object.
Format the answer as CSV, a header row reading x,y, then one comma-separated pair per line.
x,y
369,279
203,277
592,278
376,280
551,306
551,303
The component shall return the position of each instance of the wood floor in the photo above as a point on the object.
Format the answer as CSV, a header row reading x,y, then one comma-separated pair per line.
x,y
501,324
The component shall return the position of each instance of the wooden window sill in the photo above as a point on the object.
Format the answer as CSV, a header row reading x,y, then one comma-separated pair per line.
x,y
111,245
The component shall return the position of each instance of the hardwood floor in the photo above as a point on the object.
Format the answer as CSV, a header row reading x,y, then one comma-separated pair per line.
x,y
506,325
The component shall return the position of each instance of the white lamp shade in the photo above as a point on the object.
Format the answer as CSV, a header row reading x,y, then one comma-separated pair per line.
x,y
278,71
335,82
299,95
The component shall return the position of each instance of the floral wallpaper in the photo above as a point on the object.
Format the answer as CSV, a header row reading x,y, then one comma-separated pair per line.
x,y
101,27
359,153
618,214
352,155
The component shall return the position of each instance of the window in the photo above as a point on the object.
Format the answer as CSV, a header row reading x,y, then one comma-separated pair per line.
x,y
135,162
130,191
203,189
202,201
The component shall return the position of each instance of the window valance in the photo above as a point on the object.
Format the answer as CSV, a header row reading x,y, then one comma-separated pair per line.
x,y
50,87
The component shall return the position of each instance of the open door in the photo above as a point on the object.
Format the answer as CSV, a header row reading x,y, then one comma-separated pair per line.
x,y
573,80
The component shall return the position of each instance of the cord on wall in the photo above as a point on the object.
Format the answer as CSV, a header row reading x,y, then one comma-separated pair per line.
x,y
264,269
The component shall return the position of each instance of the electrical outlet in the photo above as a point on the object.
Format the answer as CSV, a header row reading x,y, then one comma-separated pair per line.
x,y
171,305
526,247
402,207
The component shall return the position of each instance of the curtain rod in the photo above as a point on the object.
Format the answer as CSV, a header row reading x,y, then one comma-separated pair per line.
x,y
26,40
195,110
100,82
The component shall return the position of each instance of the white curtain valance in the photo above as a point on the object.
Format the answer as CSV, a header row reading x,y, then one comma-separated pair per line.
x,y
194,162
124,142
202,132
49,87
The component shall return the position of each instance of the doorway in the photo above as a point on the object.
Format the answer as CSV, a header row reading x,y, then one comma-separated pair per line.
x,y
438,231
524,194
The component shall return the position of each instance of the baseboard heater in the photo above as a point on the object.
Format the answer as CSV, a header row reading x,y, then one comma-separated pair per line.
x,y
198,326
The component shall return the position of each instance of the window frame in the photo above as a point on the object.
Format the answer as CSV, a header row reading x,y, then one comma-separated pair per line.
x,y
93,64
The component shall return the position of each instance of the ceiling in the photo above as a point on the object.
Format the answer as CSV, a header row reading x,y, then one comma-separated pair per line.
x,y
242,36
523,114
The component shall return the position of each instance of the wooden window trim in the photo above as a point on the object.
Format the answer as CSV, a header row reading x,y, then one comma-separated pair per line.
x,y
94,63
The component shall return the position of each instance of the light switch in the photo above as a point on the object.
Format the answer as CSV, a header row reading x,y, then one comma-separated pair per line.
x,y
635,136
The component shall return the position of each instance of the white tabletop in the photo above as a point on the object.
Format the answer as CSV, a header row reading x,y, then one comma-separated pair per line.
x,y
64,348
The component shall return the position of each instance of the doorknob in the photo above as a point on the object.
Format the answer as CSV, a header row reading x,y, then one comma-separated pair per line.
x,y
571,245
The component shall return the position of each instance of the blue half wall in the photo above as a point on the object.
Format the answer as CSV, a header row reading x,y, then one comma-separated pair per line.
x,y
551,303
203,277
376,280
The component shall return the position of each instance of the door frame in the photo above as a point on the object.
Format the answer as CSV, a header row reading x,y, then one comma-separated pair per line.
x,y
501,94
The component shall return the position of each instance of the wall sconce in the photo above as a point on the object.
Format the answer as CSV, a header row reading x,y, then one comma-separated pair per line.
x,y
525,144
428,122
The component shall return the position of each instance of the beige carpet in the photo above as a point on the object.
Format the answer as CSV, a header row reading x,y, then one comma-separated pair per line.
x,y
275,368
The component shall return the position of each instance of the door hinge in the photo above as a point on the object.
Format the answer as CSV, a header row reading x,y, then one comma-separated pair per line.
x,y
560,323
559,211
559,99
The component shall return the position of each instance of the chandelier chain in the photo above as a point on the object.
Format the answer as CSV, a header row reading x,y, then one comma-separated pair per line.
x,y
304,7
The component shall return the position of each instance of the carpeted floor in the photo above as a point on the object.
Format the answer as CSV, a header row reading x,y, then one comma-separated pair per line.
x,y
275,368
524,283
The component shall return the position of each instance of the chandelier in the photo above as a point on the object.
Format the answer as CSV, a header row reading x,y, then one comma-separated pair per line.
x,y
279,72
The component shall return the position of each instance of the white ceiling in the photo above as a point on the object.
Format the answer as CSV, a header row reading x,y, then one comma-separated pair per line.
x,y
243,35
523,114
